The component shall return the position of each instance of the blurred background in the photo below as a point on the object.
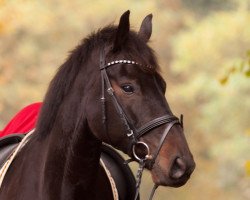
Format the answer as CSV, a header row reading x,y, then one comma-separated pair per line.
x,y
203,47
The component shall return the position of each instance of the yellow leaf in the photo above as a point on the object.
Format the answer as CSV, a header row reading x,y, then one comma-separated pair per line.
x,y
223,80
247,132
247,167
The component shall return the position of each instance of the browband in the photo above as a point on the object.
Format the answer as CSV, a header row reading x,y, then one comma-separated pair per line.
x,y
129,62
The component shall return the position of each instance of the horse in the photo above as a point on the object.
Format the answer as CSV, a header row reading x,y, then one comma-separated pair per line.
x,y
109,91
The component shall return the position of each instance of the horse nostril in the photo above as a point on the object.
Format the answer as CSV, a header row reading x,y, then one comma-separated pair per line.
x,y
178,168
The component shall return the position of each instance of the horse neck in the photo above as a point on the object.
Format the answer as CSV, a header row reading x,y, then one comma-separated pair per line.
x,y
71,153
71,163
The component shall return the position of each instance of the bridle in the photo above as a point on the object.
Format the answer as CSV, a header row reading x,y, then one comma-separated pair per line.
x,y
133,133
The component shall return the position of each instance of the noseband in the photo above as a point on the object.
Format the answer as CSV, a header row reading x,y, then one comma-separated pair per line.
x,y
133,133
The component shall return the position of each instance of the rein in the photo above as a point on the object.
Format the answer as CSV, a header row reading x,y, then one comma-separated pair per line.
x,y
132,133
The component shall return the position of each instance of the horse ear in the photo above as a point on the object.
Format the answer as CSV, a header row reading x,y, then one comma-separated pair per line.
x,y
146,28
122,31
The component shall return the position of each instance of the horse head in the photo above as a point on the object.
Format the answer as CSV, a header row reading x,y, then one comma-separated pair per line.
x,y
127,108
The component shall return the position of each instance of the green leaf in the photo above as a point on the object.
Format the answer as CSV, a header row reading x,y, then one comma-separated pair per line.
x,y
247,73
248,53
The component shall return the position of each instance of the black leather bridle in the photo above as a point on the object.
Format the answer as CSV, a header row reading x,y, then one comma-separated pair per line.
x,y
133,133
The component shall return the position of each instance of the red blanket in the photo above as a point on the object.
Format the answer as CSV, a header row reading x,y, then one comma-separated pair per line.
x,y
23,121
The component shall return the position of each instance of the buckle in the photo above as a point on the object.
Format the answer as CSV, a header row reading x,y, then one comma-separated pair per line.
x,y
110,91
129,134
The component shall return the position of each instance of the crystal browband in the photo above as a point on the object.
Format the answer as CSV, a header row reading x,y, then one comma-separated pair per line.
x,y
131,62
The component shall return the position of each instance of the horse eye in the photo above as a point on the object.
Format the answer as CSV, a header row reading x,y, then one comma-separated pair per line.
x,y
128,89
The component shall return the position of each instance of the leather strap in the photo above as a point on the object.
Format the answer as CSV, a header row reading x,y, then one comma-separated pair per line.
x,y
155,123
106,82
169,126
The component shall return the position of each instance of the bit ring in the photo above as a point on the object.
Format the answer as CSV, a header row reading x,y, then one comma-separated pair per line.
x,y
147,156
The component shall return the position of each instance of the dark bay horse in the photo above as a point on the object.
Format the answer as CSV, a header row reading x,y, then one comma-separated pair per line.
x,y
109,90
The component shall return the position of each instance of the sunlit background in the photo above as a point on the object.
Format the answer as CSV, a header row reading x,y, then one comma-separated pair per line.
x,y
203,47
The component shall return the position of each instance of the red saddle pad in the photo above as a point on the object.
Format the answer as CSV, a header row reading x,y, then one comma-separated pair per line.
x,y
23,121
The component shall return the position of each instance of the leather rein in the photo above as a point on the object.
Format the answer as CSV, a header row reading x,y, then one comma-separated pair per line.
x,y
132,133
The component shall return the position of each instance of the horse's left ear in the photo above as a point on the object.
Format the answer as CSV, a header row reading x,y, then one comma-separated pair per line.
x,y
146,28
122,31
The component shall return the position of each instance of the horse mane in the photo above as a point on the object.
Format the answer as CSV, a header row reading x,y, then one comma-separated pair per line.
x,y
64,79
